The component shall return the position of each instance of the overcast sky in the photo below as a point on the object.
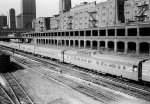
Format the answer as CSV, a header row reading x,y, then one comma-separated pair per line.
x,y
45,8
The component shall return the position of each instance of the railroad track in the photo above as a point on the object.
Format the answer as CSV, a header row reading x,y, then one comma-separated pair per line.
x,y
15,91
5,97
136,90
85,89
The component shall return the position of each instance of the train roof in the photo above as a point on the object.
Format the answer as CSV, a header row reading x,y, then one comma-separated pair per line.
x,y
54,47
117,58
93,54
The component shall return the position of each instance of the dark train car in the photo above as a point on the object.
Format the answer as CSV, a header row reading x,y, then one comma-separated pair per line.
x,y
4,62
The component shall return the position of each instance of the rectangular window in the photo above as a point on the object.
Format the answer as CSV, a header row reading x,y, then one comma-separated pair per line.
x,y
89,61
97,62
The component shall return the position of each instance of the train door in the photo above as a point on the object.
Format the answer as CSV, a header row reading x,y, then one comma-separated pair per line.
x,y
140,71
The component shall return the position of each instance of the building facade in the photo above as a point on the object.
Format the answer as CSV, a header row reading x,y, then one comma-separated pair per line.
x,y
127,39
102,26
12,19
55,22
90,15
28,13
41,24
18,21
3,21
64,6
137,10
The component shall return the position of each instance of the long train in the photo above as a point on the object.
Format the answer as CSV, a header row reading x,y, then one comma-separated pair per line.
x,y
126,67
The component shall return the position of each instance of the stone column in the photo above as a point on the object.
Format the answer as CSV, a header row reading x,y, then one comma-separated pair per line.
x,y
91,47
115,45
84,43
106,43
98,46
79,43
126,47
137,47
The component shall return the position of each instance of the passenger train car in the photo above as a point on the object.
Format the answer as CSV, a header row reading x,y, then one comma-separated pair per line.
x,y
127,67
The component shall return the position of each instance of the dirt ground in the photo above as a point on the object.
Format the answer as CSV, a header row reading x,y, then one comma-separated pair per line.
x,y
46,91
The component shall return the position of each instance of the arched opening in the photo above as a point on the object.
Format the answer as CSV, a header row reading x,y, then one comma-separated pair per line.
x,y
52,42
95,44
67,42
49,41
131,47
63,42
71,42
144,47
46,41
102,44
111,45
82,43
37,41
76,43
40,41
120,46
55,42
88,44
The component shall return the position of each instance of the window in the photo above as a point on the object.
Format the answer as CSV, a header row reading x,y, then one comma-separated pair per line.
x,y
78,59
85,60
89,61
97,62
82,59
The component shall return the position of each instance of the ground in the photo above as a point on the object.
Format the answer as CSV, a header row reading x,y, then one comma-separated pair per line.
x,y
46,91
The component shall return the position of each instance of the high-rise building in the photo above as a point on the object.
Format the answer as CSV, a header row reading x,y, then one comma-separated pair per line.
x,y
28,13
11,19
64,5
18,21
3,21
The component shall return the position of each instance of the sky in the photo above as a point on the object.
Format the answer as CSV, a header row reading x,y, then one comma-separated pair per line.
x,y
44,8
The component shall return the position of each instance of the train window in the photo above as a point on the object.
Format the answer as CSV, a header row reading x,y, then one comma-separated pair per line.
x,y
119,67
74,58
78,59
102,63
82,59
97,62
124,68
112,66
89,61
